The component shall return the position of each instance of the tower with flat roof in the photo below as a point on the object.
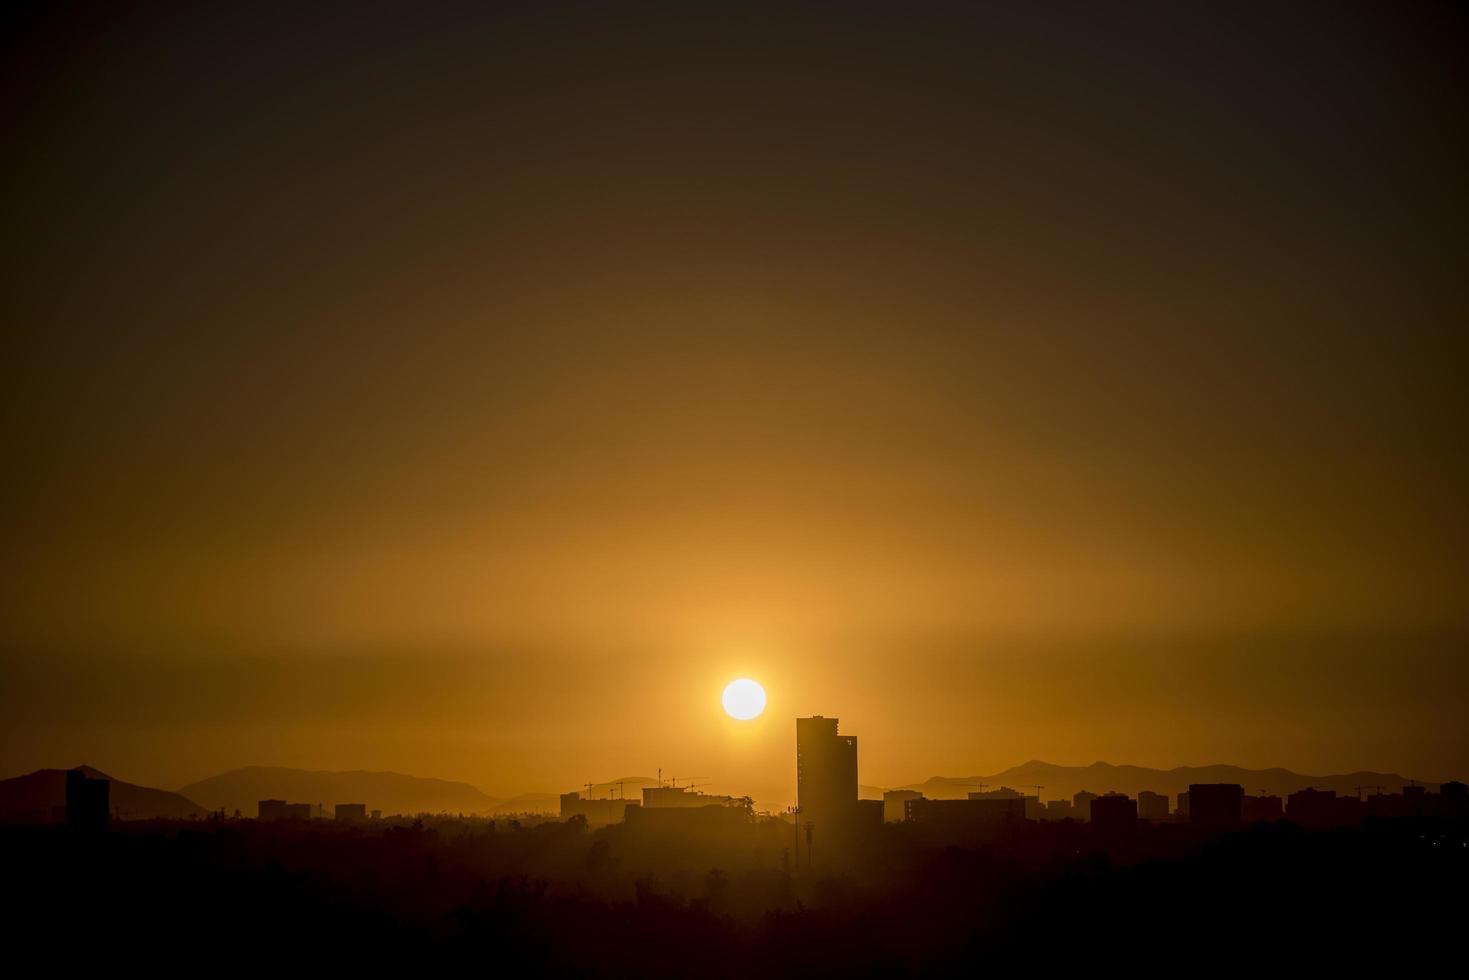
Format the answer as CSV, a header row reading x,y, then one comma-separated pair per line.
x,y
826,773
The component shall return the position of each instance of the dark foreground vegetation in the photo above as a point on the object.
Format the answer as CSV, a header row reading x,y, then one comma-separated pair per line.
x,y
555,899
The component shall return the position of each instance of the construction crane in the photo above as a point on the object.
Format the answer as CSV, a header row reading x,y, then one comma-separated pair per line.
x,y
1035,787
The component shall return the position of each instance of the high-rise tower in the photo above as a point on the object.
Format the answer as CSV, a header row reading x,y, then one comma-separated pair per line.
x,y
826,773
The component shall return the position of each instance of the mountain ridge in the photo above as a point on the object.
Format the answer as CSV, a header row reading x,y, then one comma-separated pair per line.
x,y
392,792
32,797
1059,781
35,795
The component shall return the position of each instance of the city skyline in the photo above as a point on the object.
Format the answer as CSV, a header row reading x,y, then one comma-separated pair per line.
x,y
687,488
831,806
818,748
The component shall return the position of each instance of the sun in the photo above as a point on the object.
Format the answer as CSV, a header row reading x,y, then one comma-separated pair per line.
x,y
744,699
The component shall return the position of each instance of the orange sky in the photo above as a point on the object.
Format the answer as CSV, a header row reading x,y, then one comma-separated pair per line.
x,y
473,394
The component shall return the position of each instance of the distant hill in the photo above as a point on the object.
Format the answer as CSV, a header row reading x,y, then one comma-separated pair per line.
x,y
546,803
390,792
32,798
1060,782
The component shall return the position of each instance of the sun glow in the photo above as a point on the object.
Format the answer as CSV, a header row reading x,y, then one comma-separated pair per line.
x,y
744,699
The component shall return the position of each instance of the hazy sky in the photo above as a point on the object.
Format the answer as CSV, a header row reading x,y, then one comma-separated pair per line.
x,y
472,392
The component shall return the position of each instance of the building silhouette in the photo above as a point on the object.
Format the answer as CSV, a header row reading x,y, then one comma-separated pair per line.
x,y
281,810
597,813
87,801
1152,806
826,774
1216,806
1114,814
682,797
1058,810
1254,809
1312,807
1453,799
351,812
964,821
1032,803
1081,804
893,801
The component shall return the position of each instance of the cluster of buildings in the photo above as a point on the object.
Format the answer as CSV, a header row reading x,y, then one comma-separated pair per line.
x,y
827,800
1324,808
828,806
828,803
342,812
686,805
1213,806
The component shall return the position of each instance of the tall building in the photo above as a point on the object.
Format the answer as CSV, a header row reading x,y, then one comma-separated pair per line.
x,y
87,801
826,773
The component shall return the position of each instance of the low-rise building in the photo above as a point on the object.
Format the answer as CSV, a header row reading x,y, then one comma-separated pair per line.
x,y
597,813
1257,809
893,802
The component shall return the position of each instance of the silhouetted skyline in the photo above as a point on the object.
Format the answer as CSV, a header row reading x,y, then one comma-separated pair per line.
x,y
473,470
837,885
475,390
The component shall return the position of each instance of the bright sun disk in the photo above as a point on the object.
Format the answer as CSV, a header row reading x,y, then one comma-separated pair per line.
x,y
744,699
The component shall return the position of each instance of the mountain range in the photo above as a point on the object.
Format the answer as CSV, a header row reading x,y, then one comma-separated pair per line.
x,y
391,792
32,798
1060,782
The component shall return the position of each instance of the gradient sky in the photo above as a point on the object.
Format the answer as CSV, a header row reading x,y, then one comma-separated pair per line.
x,y
472,392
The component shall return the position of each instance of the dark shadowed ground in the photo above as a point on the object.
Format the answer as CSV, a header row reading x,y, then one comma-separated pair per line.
x,y
556,899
